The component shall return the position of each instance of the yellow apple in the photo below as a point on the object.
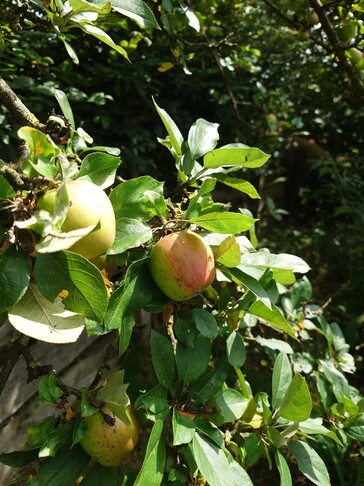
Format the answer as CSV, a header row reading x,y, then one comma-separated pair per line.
x,y
109,442
88,205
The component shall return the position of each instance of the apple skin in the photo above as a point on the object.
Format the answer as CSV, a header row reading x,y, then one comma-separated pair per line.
x,y
182,265
109,444
89,205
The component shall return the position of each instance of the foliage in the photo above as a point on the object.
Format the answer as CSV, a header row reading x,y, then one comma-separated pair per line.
x,y
249,373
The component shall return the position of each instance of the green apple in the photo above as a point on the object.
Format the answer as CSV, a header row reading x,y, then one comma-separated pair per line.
x,y
356,57
109,442
182,264
347,31
88,205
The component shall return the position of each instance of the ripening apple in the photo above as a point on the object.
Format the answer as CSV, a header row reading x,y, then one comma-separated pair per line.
x,y
88,205
109,442
182,264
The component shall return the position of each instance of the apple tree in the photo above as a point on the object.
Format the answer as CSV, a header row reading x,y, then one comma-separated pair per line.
x,y
225,384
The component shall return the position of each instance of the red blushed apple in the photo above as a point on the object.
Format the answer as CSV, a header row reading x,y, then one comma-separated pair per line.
x,y
182,265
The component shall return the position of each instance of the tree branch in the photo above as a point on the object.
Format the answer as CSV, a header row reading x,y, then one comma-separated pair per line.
x,y
280,13
337,47
16,107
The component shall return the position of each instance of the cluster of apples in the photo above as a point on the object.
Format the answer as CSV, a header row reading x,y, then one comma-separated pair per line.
x,y
181,264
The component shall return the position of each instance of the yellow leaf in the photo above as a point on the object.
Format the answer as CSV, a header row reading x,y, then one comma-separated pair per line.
x,y
166,66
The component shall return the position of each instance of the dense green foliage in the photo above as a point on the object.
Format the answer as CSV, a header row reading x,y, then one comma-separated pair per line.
x,y
260,374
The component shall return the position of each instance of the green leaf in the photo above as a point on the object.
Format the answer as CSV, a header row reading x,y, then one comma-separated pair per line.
x,y
101,6
281,379
273,317
239,476
136,10
139,198
163,359
113,393
70,51
130,233
354,427
283,468
223,222
185,331
155,401
228,252
137,292
101,35
275,344
152,470
63,102
251,284
86,408
231,404
202,138
15,269
324,388
178,475
48,389
211,462
314,427
296,404
6,191
301,291
211,380
238,184
208,429
235,350
276,438
193,361
336,378
235,156
252,449
62,470
283,261
205,323
183,428
56,439
101,475
68,272
310,463
99,168
42,154
19,458
38,432
175,136
244,385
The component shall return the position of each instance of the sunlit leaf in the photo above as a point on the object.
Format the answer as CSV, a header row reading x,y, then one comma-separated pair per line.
x,y
310,463
67,271
237,155
136,10
37,317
